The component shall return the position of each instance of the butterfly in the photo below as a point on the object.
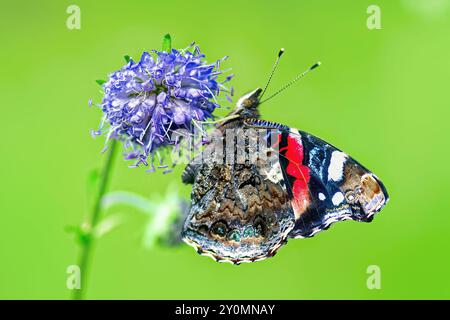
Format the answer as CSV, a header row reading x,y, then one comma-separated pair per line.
x,y
244,211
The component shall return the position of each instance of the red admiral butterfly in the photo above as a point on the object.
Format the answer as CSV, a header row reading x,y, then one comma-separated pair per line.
x,y
245,211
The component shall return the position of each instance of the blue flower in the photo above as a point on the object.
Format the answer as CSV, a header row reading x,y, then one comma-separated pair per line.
x,y
146,101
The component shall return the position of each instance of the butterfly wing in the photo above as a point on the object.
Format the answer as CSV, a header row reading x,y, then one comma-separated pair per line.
x,y
326,185
239,211
245,212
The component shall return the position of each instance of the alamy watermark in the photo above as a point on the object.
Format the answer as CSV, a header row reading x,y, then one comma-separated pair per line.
x,y
374,278
73,280
374,19
74,19
230,146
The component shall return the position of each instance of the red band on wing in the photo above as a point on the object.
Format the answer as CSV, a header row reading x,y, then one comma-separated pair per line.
x,y
296,169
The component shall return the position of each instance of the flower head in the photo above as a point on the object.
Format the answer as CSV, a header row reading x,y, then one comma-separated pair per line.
x,y
146,101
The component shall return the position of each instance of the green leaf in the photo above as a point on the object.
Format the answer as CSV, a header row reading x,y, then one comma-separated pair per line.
x,y
108,224
127,198
100,82
162,215
82,236
167,43
127,58
161,221
159,224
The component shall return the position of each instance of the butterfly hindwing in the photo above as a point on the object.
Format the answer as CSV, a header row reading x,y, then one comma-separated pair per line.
x,y
326,185
240,211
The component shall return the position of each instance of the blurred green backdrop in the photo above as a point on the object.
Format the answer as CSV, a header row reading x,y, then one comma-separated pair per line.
x,y
380,95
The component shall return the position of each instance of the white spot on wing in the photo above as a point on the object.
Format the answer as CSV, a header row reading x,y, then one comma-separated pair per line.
x,y
336,167
295,132
338,197
322,196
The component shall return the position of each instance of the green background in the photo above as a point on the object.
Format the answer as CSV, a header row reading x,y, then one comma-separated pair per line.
x,y
380,95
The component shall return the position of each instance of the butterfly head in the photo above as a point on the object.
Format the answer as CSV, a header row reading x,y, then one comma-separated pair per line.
x,y
249,100
247,105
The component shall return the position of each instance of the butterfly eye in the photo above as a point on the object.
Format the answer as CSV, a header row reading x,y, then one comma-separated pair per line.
x,y
247,103
219,229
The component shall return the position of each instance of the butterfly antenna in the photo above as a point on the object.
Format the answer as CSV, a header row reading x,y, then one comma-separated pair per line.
x,y
301,75
280,53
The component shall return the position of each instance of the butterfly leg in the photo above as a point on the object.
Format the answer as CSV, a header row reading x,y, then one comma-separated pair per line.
x,y
189,173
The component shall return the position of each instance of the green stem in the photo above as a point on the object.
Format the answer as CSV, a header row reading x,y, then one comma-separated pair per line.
x,y
87,244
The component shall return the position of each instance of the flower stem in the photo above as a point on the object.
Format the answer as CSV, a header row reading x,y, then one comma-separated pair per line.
x,y
88,240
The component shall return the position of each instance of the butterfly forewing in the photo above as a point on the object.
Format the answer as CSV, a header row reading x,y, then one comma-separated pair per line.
x,y
325,184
